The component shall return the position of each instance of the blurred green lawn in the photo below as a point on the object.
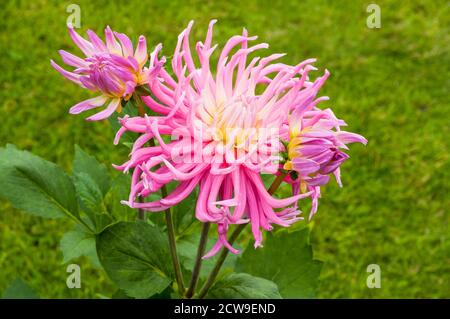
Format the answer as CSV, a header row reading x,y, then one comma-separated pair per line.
x,y
390,84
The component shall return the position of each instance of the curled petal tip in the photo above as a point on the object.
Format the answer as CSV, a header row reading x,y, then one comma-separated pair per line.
x,y
257,244
125,202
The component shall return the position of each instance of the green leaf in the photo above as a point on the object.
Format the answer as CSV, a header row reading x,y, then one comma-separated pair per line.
x,y
35,185
88,191
19,289
76,243
135,255
120,294
91,201
85,163
243,286
166,294
287,260
120,190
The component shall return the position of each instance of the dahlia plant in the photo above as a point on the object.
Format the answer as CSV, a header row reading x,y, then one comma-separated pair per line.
x,y
212,133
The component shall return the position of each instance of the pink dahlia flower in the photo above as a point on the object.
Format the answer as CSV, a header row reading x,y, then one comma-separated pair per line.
x,y
315,149
113,69
226,128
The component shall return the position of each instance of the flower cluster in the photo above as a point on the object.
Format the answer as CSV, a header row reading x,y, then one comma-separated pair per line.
x,y
226,125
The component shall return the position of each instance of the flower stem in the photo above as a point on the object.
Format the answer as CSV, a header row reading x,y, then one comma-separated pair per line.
x,y
173,245
141,212
223,255
198,261
234,235
276,183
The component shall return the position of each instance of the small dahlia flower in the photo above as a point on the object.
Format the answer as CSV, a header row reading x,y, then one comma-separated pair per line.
x,y
227,128
315,149
113,69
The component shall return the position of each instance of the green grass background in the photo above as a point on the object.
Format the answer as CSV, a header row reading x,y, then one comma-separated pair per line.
x,y
390,84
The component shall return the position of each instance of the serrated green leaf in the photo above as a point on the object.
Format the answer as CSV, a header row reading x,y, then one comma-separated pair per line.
x,y
19,289
35,185
287,260
76,243
136,256
243,286
85,163
120,190
91,201
88,191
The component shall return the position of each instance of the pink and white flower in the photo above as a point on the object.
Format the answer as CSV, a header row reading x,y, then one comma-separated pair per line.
x,y
113,69
233,119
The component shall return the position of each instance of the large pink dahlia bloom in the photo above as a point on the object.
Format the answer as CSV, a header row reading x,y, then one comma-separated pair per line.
x,y
227,129
113,69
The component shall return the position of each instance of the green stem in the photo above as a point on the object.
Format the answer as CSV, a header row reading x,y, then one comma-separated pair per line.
x,y
223,255
141,212
277,182
173,246
198,261
234,235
